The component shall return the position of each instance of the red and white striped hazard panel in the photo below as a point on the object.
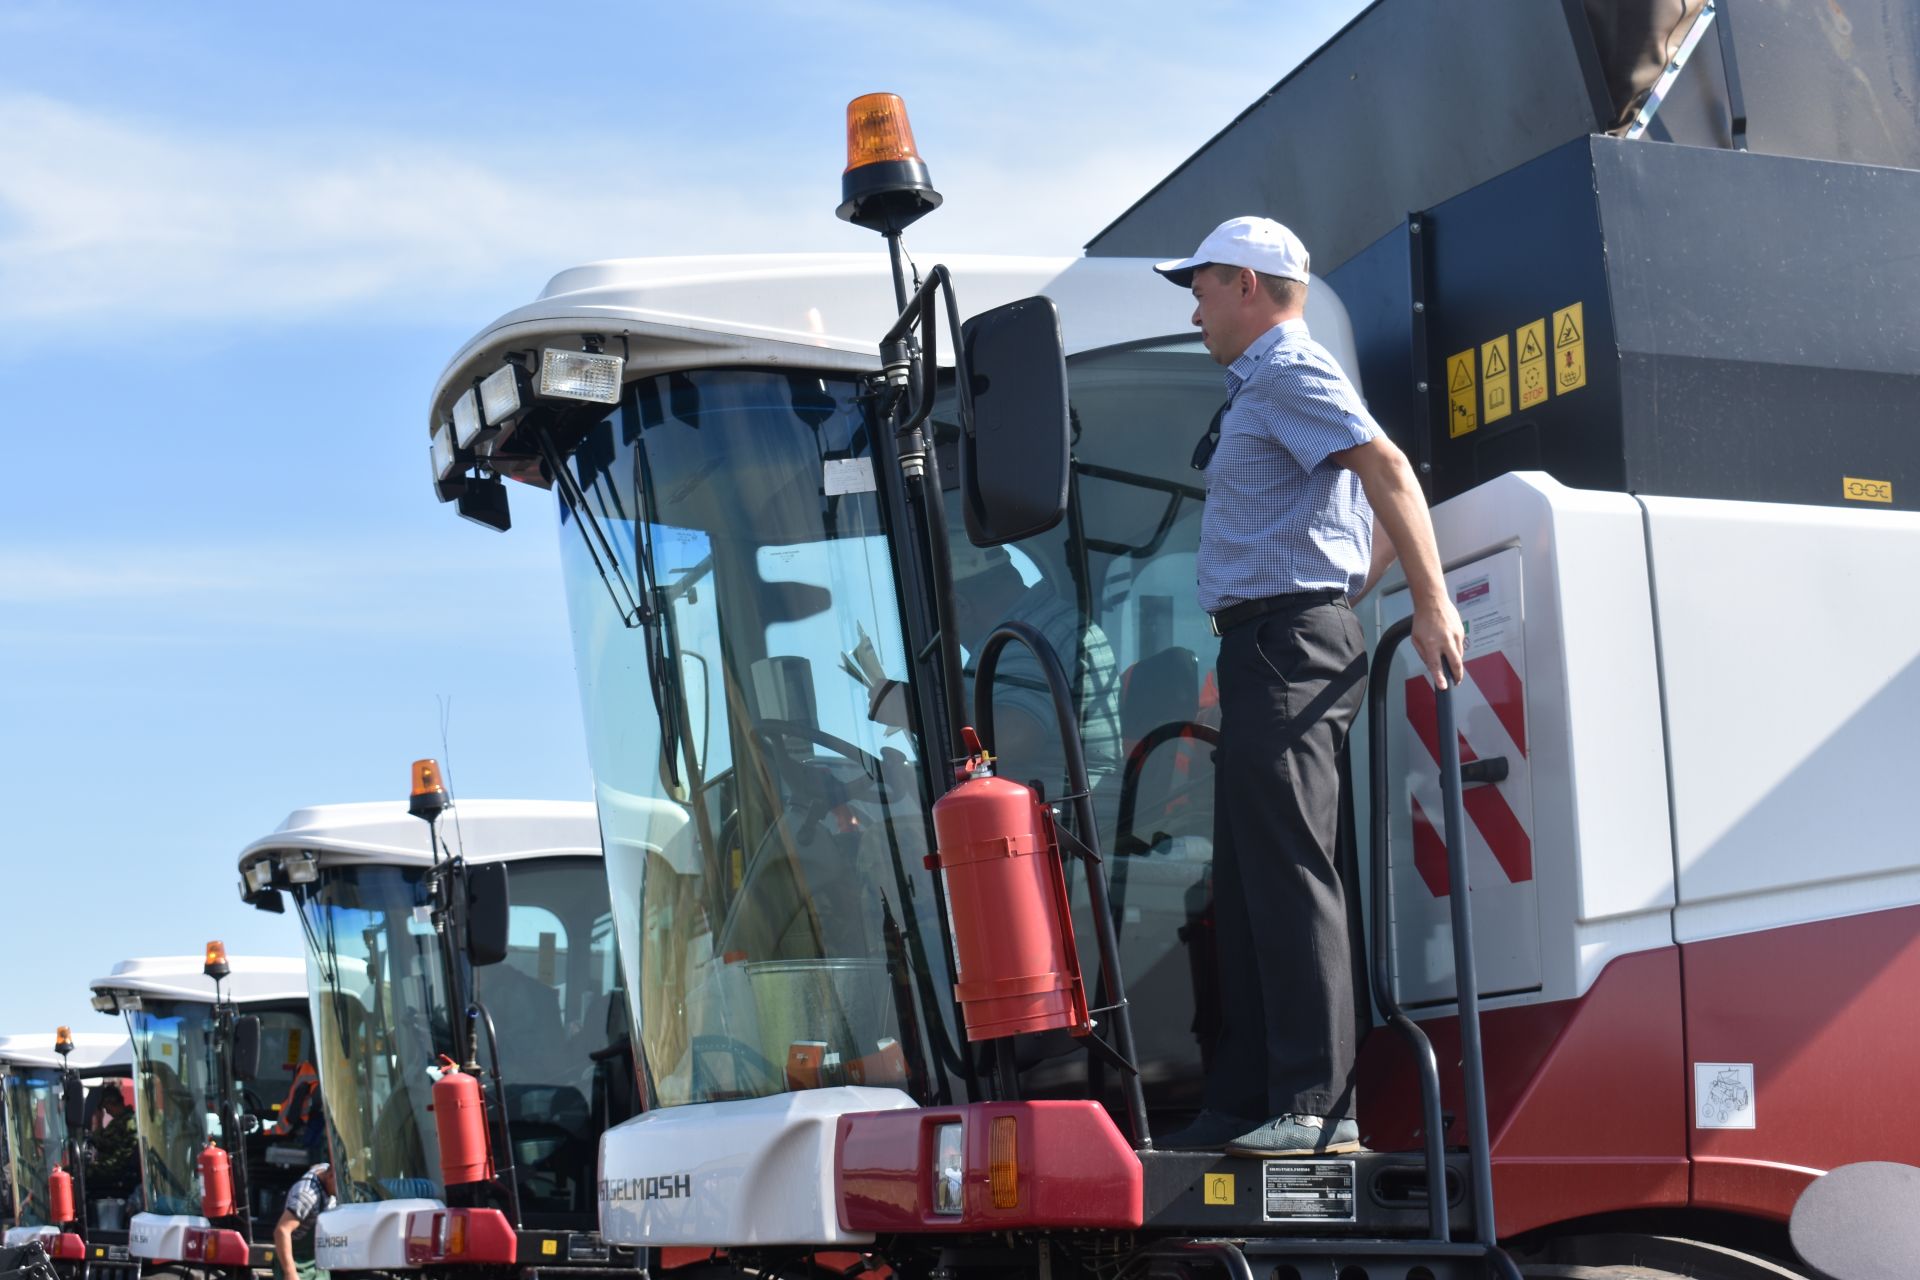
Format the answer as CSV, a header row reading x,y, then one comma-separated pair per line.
x,y
1490,716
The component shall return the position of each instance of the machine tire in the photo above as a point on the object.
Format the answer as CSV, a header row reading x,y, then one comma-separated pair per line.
x,y
1558,1271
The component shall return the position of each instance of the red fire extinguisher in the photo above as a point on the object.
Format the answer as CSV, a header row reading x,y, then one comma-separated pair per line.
x,y
216,1182
60,1197
1017,968
460,1119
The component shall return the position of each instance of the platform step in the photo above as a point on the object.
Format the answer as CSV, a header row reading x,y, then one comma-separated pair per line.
x,y
1368,1193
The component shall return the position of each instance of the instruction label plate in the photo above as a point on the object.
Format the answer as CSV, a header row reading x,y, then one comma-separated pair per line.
x,y
1308,1190
1463,395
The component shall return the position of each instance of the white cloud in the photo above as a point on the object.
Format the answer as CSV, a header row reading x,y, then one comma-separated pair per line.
x,y
1047,128
53,596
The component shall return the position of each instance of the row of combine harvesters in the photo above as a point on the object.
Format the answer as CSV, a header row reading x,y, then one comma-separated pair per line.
x,y
171,1147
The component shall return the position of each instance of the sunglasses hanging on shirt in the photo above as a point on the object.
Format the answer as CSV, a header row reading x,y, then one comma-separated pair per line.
x,y
1203,452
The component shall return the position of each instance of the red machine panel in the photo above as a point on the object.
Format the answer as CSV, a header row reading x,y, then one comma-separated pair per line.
x,y
1069,1168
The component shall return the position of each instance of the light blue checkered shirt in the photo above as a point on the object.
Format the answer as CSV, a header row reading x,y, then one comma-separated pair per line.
x,y
1279,516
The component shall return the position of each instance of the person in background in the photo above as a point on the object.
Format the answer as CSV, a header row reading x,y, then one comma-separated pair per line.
x,y
308,1198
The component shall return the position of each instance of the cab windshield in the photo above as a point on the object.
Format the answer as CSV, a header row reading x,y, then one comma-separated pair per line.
x,y
36,1140
380,1016
384,1017
760,799
175,1097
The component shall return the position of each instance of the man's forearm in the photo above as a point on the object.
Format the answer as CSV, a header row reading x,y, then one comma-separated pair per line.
x,y
1383,557
283,1254
1400,510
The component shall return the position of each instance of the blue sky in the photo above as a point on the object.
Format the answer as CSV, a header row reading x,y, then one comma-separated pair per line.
x,y
237,244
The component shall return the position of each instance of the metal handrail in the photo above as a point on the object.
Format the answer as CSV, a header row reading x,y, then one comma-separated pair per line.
x,y
1466,978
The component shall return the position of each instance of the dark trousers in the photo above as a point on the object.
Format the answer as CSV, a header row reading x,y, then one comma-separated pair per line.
x,y
1290,685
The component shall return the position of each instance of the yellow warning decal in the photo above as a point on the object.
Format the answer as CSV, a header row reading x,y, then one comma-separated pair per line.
x,y
1465,413
1219,1188
549,1247
1569,349
1496,378
1856,490
1533,363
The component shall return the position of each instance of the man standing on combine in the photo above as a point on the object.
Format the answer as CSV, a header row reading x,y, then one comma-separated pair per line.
x,y
1307,502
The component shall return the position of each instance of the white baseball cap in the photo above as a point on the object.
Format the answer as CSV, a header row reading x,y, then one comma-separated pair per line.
x,y
1260,244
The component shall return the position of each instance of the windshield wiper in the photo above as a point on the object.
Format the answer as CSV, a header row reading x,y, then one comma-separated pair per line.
x,y
637,611
633,612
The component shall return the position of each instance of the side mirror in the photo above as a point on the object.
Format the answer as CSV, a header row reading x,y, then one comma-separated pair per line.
x,y
1013,465
246,1047
73,1106
488,908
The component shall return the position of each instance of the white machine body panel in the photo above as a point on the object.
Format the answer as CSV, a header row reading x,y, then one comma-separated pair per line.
x,y
18,1236
753,1171
1790,645
161,1237
367,1237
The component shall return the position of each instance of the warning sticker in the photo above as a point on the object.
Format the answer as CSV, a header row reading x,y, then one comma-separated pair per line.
x,y
1854,489
1301,1189
1464,415
1496,376
1219,1188
1569,349
1533,363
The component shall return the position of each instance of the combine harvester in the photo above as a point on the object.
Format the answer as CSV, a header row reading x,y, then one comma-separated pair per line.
x,y
1671,445
472,1038
219,1047
45,1080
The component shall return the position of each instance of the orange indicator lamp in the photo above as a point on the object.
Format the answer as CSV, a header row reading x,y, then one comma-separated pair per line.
x,y
885,186
216,962
429,797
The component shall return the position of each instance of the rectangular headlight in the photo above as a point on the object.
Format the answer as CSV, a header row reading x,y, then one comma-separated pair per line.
x,y
580,375
445,459
500,395
300,868
105,1002
466,420
258,875
949,1170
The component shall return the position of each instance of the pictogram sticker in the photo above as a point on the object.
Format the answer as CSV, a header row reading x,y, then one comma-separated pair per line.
x,y
1569,349
1854,489
1464,413
1723,1095
1219,1188
1533,364
1496,379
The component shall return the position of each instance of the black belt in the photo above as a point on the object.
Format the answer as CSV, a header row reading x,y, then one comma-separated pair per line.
x,y
1246,611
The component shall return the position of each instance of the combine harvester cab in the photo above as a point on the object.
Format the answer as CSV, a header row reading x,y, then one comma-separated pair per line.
x,y
471,1035
221,1050
46,1081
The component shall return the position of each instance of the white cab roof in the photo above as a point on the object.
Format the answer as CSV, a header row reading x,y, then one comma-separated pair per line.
x,y
826,311
91,1049
255,979
481,830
